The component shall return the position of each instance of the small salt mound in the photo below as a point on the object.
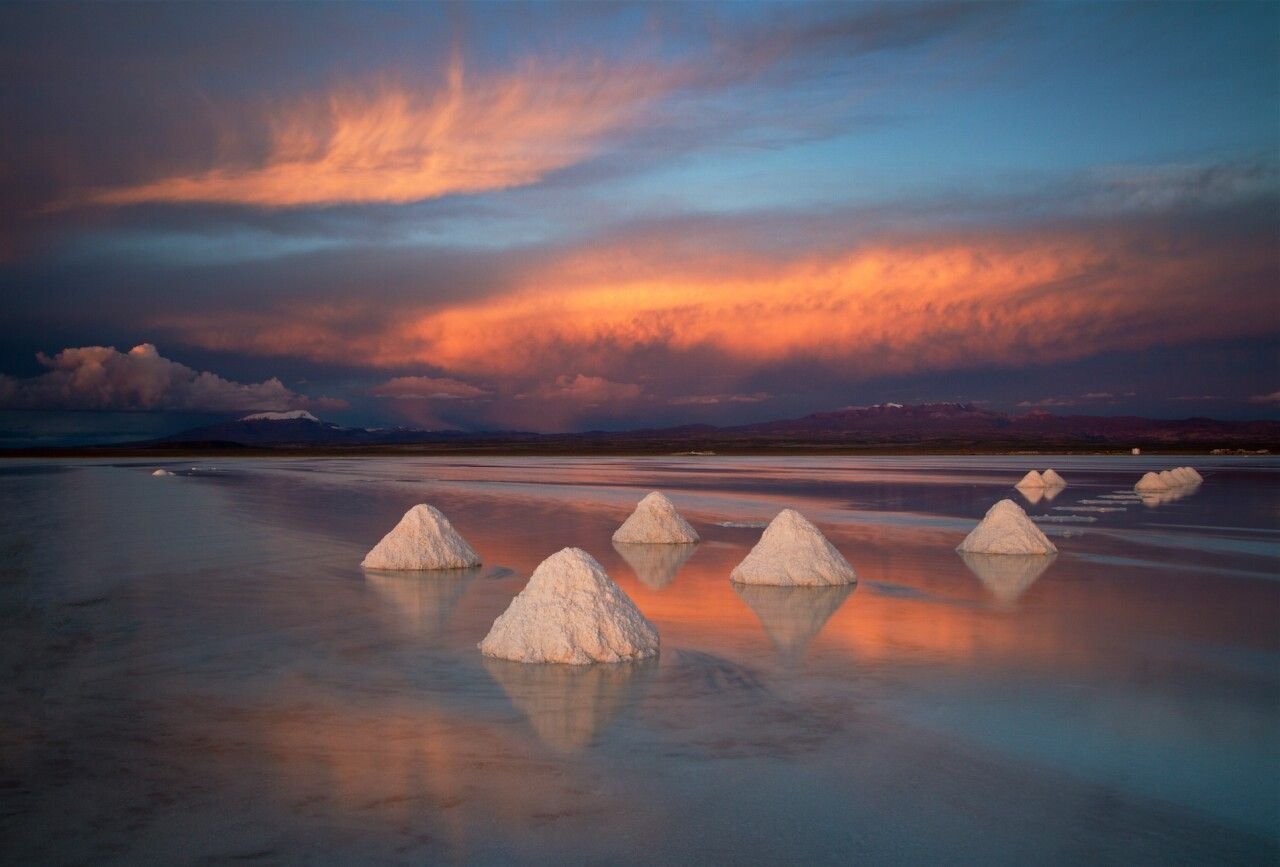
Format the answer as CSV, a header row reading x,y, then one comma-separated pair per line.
x,y
1006,529
1053,480
1031,480
1151,483
571,612
424,539
162,473
1169,479
655,522
1193,475
793,552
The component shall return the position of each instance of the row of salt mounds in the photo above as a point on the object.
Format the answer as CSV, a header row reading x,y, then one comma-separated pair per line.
x,y
1048,479
793,553
571,612
1006,529
1167,480
655,521
424,539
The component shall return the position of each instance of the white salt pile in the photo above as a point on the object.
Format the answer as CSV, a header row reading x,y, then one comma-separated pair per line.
x,y
1193,475
162,473
1053,480
424,539
1151,483
655,521
1006,529
571,612
793,552
1168,480
1032,479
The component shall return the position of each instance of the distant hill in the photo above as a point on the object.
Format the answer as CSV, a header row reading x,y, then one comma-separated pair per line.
x,y
940,425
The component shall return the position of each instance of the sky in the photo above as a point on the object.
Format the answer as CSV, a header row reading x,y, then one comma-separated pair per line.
x,y
605,216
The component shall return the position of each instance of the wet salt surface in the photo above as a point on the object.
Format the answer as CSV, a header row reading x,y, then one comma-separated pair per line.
x,y
197,668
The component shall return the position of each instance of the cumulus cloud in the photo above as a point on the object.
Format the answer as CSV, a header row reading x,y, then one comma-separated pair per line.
x,y
101,377
426,388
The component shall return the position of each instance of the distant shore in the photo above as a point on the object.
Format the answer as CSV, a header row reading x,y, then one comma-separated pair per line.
x,y
630,450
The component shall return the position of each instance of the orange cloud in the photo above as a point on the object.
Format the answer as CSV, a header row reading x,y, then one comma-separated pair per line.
x,y
425,388
397,143
885,309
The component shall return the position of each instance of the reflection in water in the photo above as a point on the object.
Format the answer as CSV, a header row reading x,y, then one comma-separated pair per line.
x,y
427,598
1007,576
793,616
568,705
1052,491
655,565
1172,495
1031,495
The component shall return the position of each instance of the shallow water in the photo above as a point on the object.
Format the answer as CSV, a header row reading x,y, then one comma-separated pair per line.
x,y
196,668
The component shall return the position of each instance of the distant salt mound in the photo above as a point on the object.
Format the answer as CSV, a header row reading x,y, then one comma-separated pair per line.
x,y
424,539
1031,480
655,521
1183,475
793,553
1195,476
1006,529
1053,480
1169,479
162,473
571,612
1151,483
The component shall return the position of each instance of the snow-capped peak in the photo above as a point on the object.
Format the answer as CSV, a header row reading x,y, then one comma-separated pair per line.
x,y
293,415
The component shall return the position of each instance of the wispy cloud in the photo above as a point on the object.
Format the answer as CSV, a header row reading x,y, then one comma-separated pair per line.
x,y
1273,397
426,388
101,377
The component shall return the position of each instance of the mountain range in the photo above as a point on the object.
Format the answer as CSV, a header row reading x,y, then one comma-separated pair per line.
x,y
940,425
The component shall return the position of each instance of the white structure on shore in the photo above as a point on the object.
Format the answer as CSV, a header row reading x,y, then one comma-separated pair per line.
x,y
792,552
424,539
571,612
1006,529
655,521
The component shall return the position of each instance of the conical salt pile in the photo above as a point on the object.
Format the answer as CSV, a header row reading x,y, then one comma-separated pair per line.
x,y
1151,483
793,552
1183,475
1195,476
655,522
1006,529
424,539
162,473
1169,479
1031,480
1053,480
571,612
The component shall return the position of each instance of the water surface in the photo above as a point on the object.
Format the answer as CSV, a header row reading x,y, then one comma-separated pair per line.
x,y
196,668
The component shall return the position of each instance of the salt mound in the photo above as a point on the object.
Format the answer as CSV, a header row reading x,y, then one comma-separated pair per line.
x,y
655,522
1031,480
1006,529
1183,476
1195,476
571,612
424,539
1169,479
162,473
1151,483
793,552
655,565
1053,480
